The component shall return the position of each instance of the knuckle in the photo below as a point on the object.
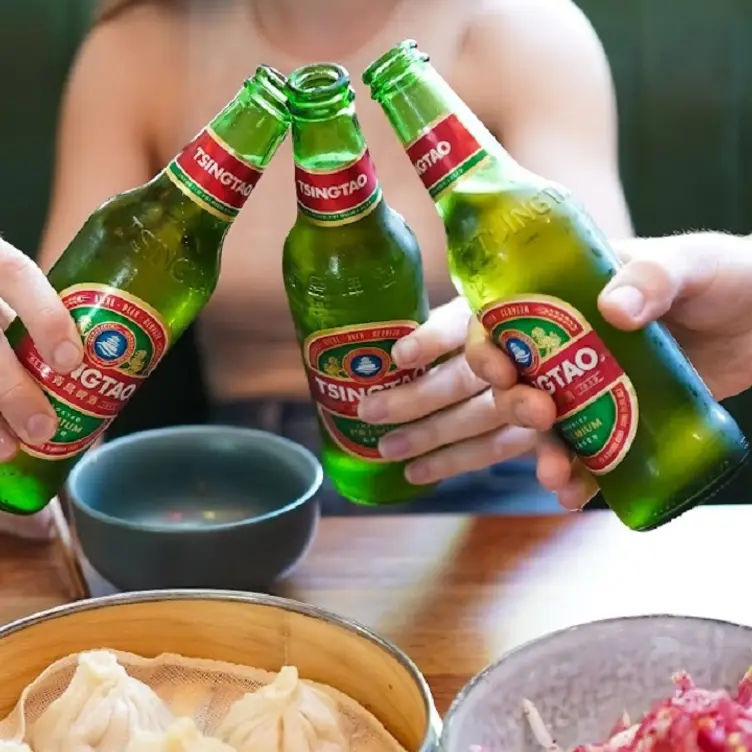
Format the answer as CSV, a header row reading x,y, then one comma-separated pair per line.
x,y
9,393
53,319
460,458
651,276
498,446
14,265
400,407
15,394
433,470
466,380
505,443
19,396
504,402
424,436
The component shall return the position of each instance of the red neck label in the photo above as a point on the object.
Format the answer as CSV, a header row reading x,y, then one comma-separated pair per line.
x,y
212,175
340,196
446,152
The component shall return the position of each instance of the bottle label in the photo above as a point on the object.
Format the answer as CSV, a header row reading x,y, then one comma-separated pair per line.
x,y
444,153
124,339
555,349
210,173
341,196
346,364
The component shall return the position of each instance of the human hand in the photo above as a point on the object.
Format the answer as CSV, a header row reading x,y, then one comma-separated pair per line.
x,y
454,426
699,284
25,412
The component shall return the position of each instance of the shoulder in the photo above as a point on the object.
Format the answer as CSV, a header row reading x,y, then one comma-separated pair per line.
x,y
502,30
523,49
134,56
143,21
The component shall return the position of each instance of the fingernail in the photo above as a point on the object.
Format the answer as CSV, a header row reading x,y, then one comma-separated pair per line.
x,y
406,351
628,298
394,446
373,410
40,428
66,356
417,473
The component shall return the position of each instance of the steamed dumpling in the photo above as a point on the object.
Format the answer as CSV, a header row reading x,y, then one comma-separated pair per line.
x,y
13,746
182,736
284,716
100,711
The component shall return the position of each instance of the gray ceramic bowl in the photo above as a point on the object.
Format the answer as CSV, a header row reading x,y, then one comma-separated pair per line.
x,y
582,678
195,506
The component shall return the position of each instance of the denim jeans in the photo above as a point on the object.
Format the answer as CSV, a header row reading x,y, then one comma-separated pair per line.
x,y
507,488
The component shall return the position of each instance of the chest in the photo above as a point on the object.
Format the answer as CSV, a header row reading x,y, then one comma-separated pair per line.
x,y
250,293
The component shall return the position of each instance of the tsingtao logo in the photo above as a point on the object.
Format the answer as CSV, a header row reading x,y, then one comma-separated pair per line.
x,y
367,364
109,345
521,349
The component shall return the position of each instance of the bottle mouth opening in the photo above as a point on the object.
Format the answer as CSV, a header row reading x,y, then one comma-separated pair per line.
x,y
271,76
313,90
271,83
320,80
387,68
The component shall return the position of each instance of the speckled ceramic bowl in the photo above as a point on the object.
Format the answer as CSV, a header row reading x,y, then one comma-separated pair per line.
x,y
582,678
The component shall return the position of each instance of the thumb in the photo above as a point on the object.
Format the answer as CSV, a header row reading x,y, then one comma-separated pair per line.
x,y
658,272
444,332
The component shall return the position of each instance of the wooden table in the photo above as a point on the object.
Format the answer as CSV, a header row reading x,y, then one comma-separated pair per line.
x,y
455,592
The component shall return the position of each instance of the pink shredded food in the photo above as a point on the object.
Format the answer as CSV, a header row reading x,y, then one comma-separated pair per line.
x,y
693,720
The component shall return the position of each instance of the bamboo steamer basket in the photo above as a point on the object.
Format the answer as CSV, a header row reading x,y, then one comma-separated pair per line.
x,y
246,628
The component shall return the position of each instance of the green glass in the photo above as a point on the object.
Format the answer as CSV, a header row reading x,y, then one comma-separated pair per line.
x,y
354,282
160,246
523,252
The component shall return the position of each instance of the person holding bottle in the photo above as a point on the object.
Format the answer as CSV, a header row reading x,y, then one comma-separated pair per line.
x,y
133,111
697,284
535,72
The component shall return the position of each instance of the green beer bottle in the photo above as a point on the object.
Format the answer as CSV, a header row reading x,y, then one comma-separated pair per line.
x,y
531,263
354,282
136,275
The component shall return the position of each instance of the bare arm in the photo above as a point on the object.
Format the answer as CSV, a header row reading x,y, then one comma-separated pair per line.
x,y
554,104
103,149
106,124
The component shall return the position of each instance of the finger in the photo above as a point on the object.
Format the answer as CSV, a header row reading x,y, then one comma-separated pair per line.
x,y
8,443
7,314
486,360
474,454
579,491
470,418
27,291
555,460
525,406
26,410
448,383
444,331
646,288
558,470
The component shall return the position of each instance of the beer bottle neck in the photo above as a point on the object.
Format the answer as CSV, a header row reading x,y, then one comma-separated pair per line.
x,y
335,179
445,141
220,167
